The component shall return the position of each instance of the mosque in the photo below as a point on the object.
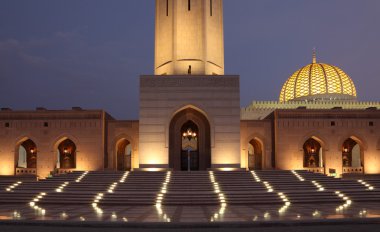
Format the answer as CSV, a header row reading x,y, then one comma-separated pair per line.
x,y
190,116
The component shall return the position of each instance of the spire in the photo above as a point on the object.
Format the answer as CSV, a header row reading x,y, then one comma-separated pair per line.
x,y
314,56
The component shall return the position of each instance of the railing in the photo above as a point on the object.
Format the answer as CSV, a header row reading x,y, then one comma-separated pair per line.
x,y
316,170
353,170
26,171
64,170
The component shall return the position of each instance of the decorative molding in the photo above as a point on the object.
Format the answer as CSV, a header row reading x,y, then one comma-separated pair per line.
x,y
189,81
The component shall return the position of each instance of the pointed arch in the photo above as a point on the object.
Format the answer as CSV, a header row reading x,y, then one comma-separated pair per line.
x,y
175,138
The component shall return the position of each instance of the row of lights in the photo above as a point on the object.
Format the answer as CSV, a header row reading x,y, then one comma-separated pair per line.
x,y
269,188
112,187
124,177
161,195
369,187
347,201
33,203
300,178
95,202
13,186
255,176
81,177
221,196
61,187
286,201
318,186
99,197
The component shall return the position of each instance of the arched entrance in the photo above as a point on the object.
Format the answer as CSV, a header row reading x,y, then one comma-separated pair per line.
x,y
123,155
255,154
199,146
26,155
66,155
352,156
313,154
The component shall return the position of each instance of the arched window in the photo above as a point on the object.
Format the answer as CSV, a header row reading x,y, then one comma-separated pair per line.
x,y
351,154
27,155
313,154
66,153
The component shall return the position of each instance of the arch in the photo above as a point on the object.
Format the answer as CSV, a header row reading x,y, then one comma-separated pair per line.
x,y
114,146
66,154
123,155
352,155
313,156
26,154
200,108
255,154
322,140
176,128
54,147
61,138
357,139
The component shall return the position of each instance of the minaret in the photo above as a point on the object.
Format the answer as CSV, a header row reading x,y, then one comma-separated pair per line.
x,y
189,37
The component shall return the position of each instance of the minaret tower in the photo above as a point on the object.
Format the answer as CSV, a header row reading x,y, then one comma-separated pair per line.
x,y
189,37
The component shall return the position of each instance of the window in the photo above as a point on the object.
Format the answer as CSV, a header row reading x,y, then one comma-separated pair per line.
x,y
188,5
370,123
46,124
332,123
7,124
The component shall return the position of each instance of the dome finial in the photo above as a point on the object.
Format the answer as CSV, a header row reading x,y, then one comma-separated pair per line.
x,y
314,55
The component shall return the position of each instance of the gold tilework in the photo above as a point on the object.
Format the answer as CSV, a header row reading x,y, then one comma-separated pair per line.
x,y
317,79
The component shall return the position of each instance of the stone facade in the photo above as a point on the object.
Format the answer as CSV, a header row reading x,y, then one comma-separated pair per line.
x,y
216,97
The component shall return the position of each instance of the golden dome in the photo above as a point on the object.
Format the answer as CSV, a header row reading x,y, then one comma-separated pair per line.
x,y
318,81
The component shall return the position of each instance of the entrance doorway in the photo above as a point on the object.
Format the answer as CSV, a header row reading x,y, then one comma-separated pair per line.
x,y
123,155
189,152
255,154
183,147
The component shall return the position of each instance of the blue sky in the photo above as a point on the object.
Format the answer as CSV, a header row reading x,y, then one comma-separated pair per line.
x,y
90,53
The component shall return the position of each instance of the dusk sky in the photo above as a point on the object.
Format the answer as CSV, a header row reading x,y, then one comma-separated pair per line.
x,y
90,53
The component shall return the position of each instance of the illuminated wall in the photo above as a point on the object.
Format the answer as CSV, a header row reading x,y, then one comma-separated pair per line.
x,y
217,98
331,128
189,33
118,130
261,131
47,129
